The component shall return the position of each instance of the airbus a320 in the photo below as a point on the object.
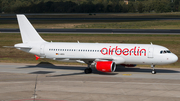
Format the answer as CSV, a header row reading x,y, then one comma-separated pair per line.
x,y
102,56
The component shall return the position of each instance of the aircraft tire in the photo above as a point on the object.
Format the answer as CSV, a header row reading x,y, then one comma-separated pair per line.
x,y
88,70
153,72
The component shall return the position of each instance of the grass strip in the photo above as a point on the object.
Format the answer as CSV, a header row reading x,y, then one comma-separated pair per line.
x,y
117,24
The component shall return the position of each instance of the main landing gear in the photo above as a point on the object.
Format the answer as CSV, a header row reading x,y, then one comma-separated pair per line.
x,y
88,70
153,71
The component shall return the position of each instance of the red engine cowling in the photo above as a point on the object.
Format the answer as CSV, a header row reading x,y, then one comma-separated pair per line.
x,y
105,66
128,65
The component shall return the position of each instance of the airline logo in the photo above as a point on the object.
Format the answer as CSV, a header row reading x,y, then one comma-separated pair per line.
x,y
136,51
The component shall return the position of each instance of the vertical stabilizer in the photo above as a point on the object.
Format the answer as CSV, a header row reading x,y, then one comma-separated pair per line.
x,y
28,33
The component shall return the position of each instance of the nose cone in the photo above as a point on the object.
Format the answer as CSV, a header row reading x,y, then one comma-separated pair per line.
x,y
174,58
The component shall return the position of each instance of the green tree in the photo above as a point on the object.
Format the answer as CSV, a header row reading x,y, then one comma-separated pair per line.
x,y
87,6
105,3
109,8
118,8
125,8
140,7
162,6
176,5
99,8
131,7
0,6
148,6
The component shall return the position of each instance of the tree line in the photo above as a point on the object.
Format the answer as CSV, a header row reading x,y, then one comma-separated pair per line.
x,y
88,6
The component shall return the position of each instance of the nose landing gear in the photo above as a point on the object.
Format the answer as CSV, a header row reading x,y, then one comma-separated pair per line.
x,y
153,70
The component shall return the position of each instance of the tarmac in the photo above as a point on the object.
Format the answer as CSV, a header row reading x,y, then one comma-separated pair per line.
x,y
50,82
99,31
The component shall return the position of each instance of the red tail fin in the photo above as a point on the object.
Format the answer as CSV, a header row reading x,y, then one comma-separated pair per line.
x,y
37,57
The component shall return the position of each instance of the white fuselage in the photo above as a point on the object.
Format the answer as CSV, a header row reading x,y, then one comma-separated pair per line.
x,y
119,53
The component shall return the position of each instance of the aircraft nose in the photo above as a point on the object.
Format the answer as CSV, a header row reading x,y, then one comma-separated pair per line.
x,y
174,58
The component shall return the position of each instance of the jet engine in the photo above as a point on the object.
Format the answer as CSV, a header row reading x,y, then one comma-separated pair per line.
x,y
105,66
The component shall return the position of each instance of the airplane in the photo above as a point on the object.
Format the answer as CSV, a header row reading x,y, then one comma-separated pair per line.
x,y
102,56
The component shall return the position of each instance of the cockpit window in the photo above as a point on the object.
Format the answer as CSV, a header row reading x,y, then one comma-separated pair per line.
x,y
165,51
168,51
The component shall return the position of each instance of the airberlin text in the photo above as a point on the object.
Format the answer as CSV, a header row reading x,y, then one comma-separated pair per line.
x,y
136,51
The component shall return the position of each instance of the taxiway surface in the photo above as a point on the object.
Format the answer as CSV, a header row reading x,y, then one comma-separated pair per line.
x,y
69,83
100,31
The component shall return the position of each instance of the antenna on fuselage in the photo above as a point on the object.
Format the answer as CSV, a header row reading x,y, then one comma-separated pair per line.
x,y
151,43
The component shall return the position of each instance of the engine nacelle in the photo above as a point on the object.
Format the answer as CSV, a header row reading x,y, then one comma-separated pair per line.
x,y
105,66
129,65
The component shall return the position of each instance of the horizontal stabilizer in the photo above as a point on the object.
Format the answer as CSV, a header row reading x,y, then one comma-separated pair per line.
x,y
8,46
21,45
25,47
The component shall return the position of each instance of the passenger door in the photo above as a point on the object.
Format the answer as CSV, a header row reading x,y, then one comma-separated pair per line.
x,y
42,50
150,52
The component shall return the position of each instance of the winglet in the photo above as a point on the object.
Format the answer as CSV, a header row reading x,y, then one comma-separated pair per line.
x,y
37,57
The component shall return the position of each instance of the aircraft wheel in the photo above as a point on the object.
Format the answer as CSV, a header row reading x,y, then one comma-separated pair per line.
x,y
88,70
153,72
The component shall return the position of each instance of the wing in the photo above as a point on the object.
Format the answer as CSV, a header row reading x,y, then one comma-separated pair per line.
x,y
118,60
